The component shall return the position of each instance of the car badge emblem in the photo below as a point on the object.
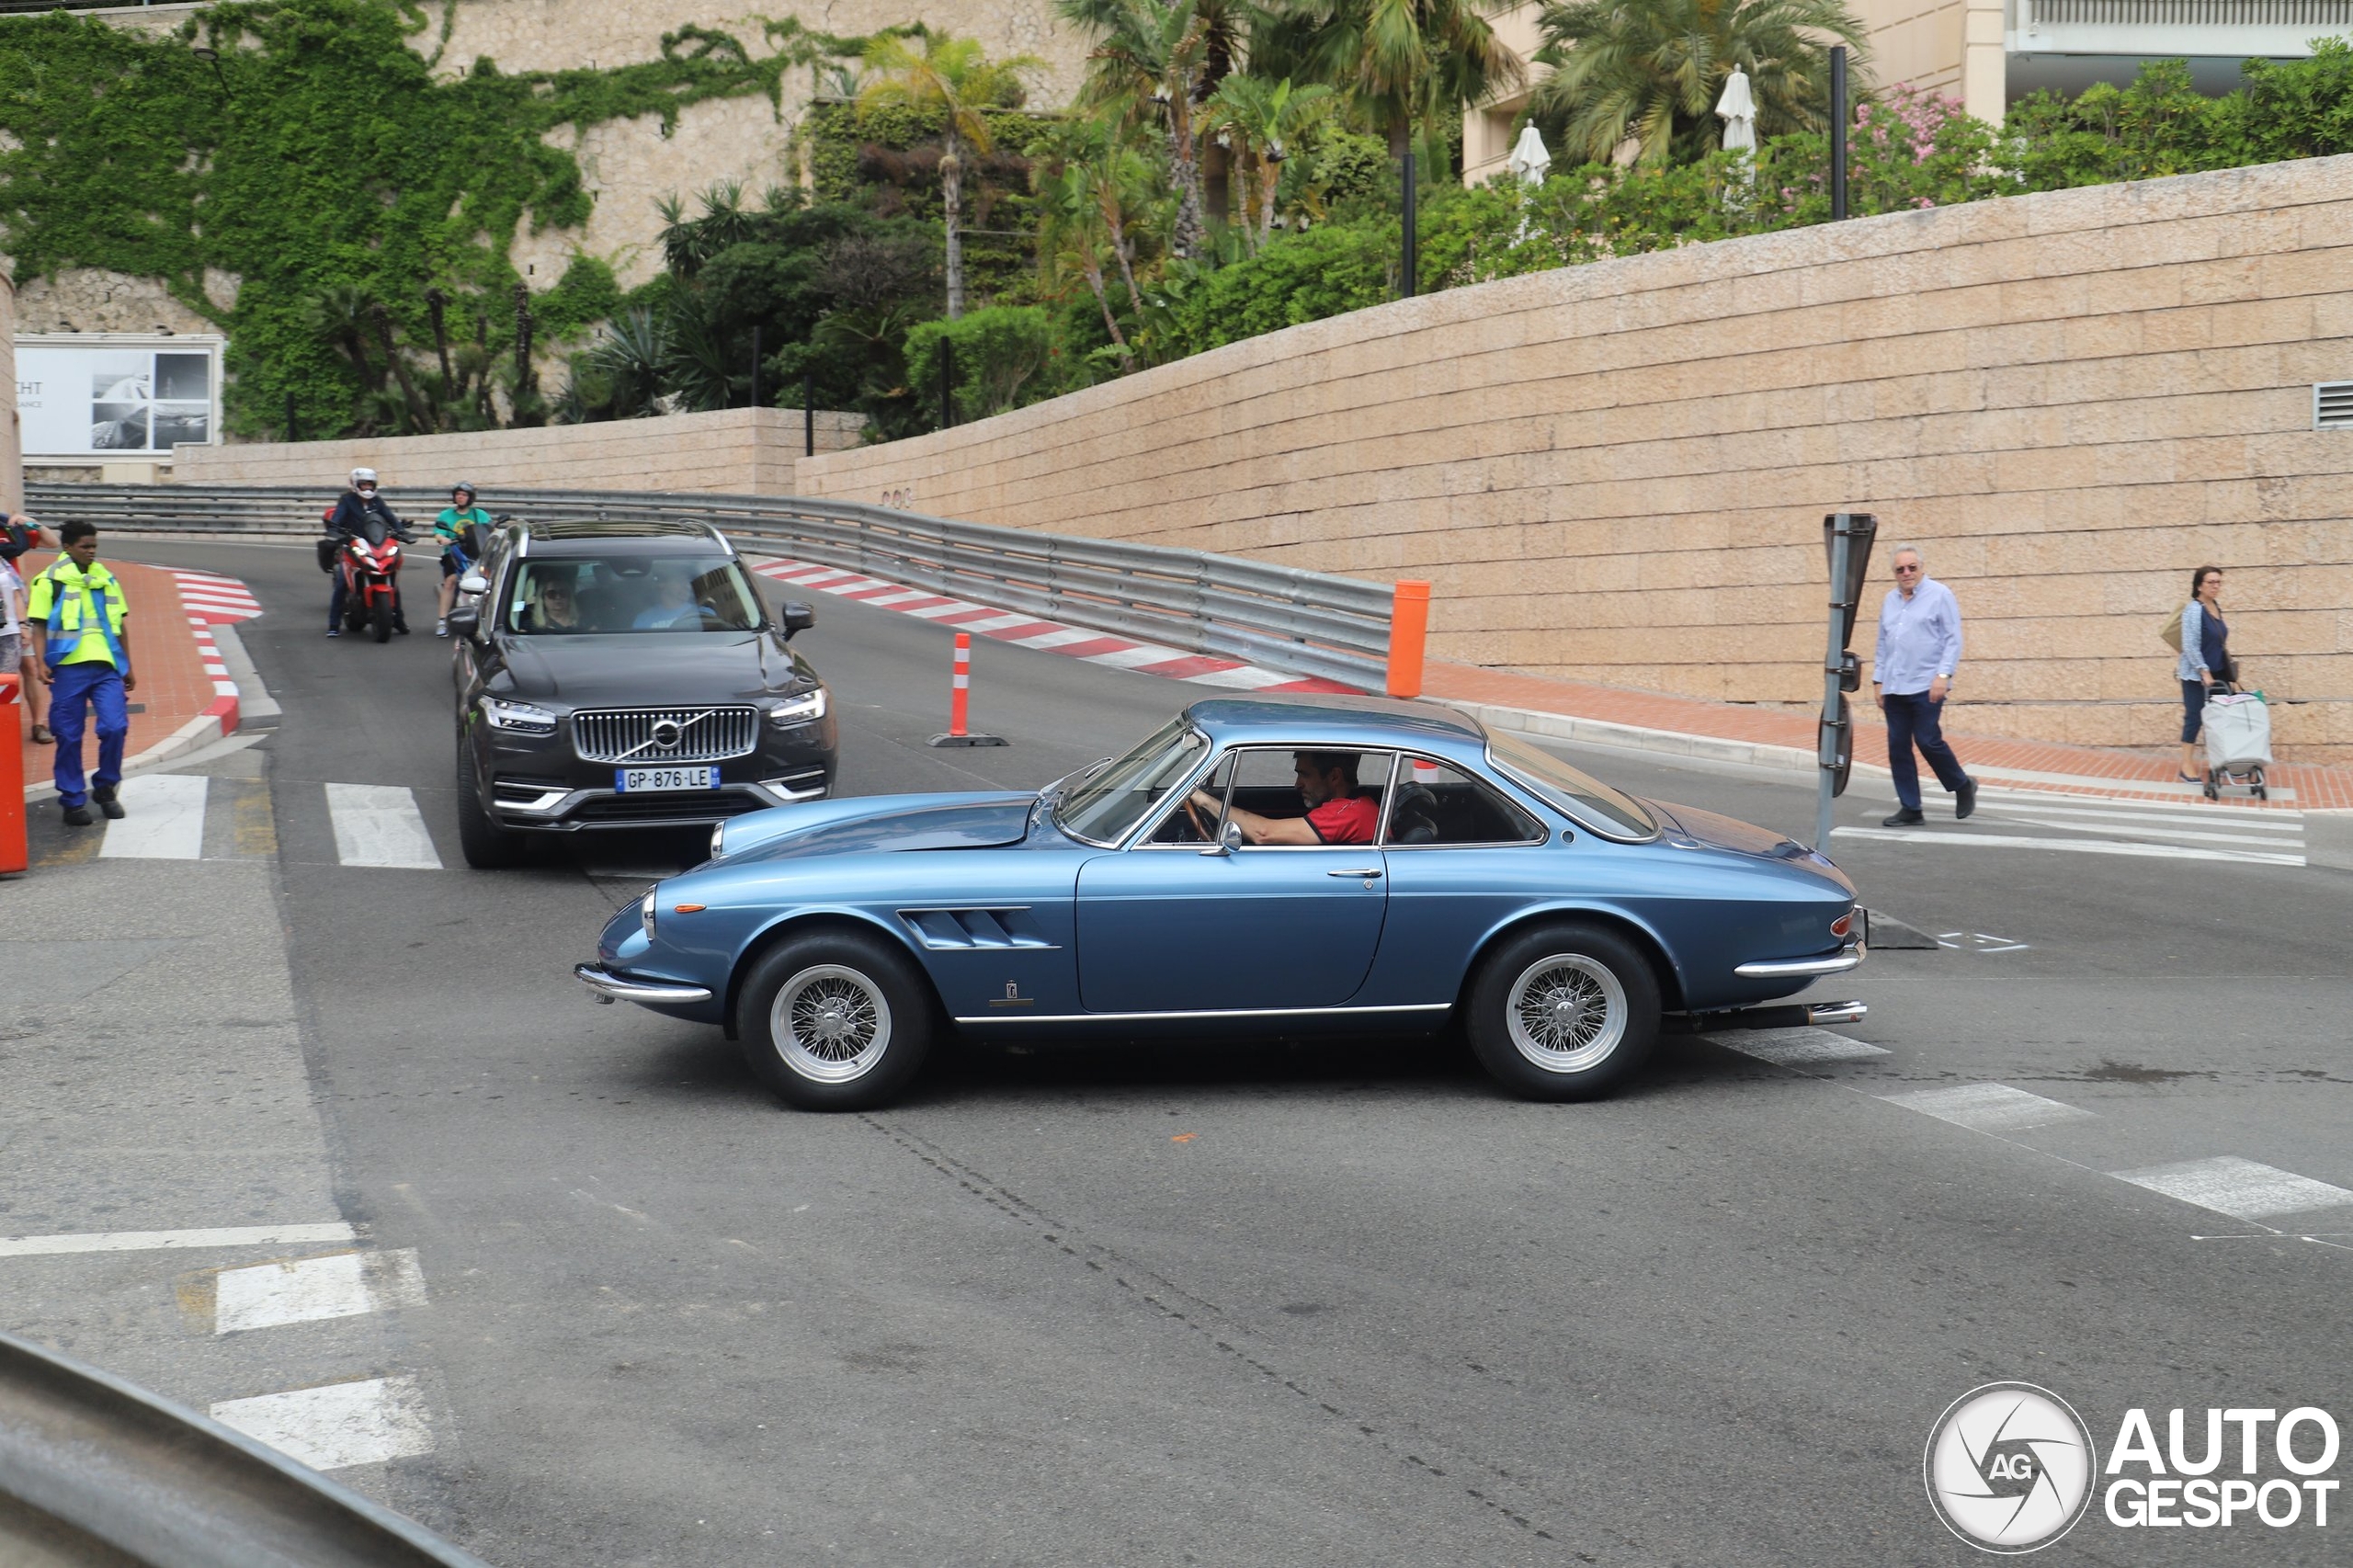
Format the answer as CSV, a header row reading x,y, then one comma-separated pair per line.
x,y
666,734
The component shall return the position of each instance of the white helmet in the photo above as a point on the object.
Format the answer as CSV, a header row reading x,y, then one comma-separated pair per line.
x,y
361,476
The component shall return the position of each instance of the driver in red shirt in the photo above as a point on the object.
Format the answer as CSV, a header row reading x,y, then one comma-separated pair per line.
x,y
1336,812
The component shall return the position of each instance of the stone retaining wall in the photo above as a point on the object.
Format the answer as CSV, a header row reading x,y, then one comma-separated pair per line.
x,y
736,451
1617,473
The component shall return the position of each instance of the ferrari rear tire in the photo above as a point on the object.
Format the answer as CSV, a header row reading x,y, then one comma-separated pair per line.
x,y
1563,1012
835,1021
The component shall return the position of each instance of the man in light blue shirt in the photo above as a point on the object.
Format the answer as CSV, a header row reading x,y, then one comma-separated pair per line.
x,y
1919,648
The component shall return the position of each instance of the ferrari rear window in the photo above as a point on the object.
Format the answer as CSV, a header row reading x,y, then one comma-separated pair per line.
x,y
1584,798
1106,809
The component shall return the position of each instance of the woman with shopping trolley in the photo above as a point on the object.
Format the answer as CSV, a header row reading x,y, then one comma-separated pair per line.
x,y
2205,659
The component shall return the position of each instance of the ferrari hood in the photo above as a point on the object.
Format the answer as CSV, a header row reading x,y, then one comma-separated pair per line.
x,y
883,825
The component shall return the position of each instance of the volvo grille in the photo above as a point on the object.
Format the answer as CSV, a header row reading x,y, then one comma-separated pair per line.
x,y
649,737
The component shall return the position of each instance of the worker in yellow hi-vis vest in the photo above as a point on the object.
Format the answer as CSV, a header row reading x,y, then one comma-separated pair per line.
x,y
82,647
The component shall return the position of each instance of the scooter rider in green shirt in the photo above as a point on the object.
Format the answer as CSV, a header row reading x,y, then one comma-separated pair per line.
x,y
454,528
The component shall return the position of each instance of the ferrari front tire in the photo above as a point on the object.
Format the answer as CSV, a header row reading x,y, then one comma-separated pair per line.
x,y
835,1021
1564,1012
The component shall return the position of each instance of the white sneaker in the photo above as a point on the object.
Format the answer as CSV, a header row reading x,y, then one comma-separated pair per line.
x,y
440,629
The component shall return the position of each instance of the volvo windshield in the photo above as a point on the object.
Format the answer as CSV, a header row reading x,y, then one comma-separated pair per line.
x,y
571,595
1106,808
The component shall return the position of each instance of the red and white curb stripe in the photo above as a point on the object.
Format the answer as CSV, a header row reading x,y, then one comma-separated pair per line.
x,y
213,600
1025,631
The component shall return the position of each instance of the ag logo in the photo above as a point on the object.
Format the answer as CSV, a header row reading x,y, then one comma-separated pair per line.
x,y
2010,1468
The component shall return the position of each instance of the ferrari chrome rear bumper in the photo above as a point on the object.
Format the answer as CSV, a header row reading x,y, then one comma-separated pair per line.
x,y
1794,969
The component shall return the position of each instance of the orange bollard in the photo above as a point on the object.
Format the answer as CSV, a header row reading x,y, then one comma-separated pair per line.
x,y
1409,625
12,855
958,701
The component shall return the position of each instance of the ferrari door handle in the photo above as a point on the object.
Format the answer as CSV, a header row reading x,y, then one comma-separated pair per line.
x,y
1367,871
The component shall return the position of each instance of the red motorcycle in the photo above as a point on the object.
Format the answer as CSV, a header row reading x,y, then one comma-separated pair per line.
x,y
370,564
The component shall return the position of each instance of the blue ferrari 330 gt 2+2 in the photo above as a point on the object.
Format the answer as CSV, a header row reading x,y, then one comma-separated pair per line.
x,y
1257,861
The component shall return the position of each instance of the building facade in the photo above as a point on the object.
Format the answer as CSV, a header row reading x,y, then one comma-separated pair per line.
x,y
1987,54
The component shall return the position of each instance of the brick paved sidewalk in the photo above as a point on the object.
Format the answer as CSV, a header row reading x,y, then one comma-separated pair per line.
x,y
2032,764
177,670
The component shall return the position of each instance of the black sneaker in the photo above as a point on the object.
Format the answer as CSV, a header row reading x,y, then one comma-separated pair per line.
x,y
79,816
400,627
1968,798
107,803
1907,817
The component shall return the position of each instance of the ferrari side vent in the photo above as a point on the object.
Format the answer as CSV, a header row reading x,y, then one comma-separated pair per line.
x,y
941,930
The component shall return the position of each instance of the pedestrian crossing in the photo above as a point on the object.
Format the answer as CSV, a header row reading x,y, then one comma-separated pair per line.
x,y
2228,1184
174,816
2074,824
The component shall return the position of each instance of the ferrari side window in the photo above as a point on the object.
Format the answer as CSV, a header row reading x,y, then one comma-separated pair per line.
x,y
1192,822
1439,804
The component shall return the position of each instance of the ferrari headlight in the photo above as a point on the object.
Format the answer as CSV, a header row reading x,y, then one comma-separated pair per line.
x,y
646,910
518,718
807,708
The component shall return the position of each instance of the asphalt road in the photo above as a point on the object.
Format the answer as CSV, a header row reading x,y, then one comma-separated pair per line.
x,y
1226,1302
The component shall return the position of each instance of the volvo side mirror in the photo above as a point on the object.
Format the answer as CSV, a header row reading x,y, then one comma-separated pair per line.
x,y
464,620
798,618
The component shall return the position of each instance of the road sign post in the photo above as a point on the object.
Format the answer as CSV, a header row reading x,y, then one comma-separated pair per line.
x,y
1847,542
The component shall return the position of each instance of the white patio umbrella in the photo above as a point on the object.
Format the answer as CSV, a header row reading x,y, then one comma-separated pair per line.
x,y
1530,157
1737,109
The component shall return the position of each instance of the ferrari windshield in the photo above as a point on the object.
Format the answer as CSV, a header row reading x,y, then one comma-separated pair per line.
x,y
1584,798
632,592
1106,807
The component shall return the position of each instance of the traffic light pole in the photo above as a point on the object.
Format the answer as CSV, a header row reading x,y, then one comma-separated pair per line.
x,y
1847,541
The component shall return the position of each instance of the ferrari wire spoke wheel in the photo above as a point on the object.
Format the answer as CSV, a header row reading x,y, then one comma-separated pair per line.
x,y
831,1024
1566,1013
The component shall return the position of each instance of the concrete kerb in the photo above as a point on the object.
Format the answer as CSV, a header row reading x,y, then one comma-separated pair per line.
x,y
2328,839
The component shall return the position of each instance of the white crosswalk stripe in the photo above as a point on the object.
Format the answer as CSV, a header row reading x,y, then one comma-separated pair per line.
x,y
308,1290
1987,1107
162,818
1802,1046
2244,1189
2161,830
338,1425
379,824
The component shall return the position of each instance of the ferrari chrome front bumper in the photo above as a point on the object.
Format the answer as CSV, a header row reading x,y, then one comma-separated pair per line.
x,y
611,987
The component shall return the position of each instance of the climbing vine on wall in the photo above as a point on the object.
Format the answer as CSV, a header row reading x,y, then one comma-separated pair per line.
x,y
320,156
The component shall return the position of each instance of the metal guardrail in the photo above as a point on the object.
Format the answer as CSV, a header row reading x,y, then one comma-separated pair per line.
x,y
95,1471
1304,622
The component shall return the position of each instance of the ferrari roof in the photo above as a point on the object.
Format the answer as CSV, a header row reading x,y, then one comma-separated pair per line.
x,y
1333,719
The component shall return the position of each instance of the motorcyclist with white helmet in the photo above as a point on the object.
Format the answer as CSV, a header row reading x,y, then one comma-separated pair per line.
x,y
352,511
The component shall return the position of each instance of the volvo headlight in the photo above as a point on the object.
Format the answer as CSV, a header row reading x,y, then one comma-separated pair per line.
x,y
645,911
807,708
518,718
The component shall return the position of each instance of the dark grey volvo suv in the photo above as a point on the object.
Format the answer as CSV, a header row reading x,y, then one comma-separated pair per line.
x,y
625,674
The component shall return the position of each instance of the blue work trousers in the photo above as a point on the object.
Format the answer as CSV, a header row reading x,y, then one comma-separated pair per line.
x,y
1913,721
99,685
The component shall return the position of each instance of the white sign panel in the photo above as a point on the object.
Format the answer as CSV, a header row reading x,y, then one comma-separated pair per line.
x,y
102,395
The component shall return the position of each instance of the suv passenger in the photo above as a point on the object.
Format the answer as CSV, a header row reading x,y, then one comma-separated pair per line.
x,y
625,674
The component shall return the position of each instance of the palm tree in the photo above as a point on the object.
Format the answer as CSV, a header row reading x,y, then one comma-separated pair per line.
x,y
1148,64
1651,70
1407,63
1263,121
951,77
